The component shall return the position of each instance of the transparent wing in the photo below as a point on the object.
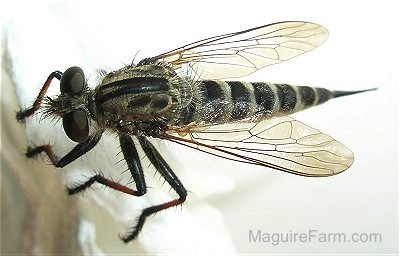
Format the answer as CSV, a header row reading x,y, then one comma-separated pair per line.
x,y
241,53
280,143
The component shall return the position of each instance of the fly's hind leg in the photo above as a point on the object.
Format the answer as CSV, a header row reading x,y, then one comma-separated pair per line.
x,y
165,170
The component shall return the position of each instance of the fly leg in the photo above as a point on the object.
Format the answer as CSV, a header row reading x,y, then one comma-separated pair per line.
x,y
71,156
133,161
165,170
21,115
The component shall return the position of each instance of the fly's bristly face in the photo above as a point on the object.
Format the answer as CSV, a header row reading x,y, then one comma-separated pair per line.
x,y
72,104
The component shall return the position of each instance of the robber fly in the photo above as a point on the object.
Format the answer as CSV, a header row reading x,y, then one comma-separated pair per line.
x,y
158,98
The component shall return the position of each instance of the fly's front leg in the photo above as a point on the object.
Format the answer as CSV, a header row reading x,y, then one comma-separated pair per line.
x,y
71,156
165,170
21,115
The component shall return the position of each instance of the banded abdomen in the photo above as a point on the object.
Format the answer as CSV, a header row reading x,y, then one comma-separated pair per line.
x,y
216,102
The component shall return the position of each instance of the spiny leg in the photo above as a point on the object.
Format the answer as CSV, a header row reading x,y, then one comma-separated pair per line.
x,y
165,170
130,154
21,115
71,156
133,161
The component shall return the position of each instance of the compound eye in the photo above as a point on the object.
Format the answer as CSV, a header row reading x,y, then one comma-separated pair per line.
x,y
72,81
76,125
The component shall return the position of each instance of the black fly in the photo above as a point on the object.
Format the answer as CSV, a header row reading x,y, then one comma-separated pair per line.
x,y
240,121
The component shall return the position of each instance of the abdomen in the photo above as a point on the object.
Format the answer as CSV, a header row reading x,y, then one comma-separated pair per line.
x,y
216,102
